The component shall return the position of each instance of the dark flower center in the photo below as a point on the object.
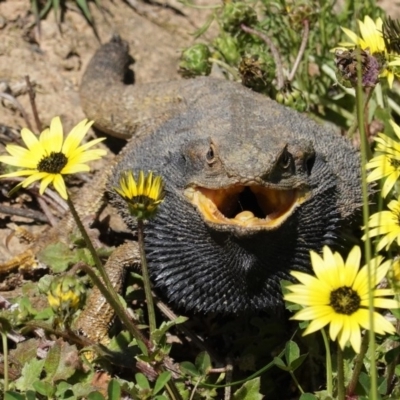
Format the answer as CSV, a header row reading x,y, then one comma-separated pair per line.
x,y
53,163
345,300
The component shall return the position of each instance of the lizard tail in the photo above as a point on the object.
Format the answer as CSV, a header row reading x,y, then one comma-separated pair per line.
x,y
119,108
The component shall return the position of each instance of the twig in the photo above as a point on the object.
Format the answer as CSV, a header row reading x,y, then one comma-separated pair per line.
x,y
18,105
55,201
46,211
274,51
228,379
358,365
32,95
304,40
23,212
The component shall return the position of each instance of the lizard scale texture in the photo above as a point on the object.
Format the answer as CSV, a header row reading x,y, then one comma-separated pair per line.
x,y
251,186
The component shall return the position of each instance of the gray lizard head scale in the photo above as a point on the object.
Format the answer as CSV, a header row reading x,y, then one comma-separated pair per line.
x,y
251,186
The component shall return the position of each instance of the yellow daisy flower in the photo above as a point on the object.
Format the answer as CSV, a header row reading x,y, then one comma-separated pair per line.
x,y
386,223
339,296
387,163
144,196
49,156
372,40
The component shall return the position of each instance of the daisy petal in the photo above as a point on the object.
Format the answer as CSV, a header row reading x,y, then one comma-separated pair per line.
x,y
75,137
59,185
56,136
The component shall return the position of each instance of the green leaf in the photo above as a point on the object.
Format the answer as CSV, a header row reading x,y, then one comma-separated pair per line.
x,y
281,364
161,381
95,396
30,373
292,352
114,390
13,396
52,360
397,370
56,8
142,381
396,312
205,26
30,395
364,381
143,347
165,326
249,391
58,257
392,354
85,9
44,315
382,385
203,363
189,369
62,387
56,366
296,363
308,396
44,388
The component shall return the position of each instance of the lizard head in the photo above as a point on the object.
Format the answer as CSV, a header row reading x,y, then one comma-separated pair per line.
x,y
243,189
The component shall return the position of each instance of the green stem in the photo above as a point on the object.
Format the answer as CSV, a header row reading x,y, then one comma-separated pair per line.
x,y
329,382
227,67
296,382
173,391
5,359
340,374
358,364
146,279
89,245
115,304
367,243
360,108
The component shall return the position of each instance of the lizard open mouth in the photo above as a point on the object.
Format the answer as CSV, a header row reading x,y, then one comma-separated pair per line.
x,y
245,206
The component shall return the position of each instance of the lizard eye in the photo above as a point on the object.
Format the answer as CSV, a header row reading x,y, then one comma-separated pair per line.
x,y
210,156
285,160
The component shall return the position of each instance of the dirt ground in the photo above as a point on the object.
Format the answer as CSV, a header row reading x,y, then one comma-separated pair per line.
x,y
55,58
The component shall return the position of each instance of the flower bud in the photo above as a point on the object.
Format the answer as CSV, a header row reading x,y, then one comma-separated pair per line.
x,y
66,294
195,61
227,46
235,14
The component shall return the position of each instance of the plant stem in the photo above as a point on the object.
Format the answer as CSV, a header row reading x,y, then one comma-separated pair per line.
x,y
356,122
5,360
227,67
146,278
304,40
89,244
296,382
367,243
340,374
116,305
358,364
329,383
